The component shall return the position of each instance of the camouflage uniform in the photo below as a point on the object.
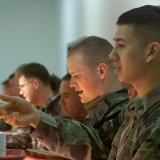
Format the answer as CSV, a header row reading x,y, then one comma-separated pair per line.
x,y
51,107
80,141
139,136
105,116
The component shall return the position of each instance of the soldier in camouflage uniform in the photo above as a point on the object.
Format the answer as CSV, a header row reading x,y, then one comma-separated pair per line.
x,y
98,88
105,117
136,59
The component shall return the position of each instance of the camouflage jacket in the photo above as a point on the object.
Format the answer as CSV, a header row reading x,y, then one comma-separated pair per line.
x,y
139,136
68,138
105,117
51,107
80,141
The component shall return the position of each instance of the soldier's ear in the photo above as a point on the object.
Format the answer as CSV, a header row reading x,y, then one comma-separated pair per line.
x,y
35,83
153,51
102,69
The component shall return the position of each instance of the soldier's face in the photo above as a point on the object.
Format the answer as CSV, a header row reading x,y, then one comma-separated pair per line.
x,y
69,100
128,55
6,90
26,88
84,79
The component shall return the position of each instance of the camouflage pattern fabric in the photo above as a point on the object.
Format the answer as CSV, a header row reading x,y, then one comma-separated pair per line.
x,y
139,136
82,141
68,138
52,107
105,117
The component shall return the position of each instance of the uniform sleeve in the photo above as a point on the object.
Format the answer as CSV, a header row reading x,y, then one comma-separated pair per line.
x,y
113,152
69,138
149,147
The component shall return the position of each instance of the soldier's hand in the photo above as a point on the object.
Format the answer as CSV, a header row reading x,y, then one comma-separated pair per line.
x,y
17,111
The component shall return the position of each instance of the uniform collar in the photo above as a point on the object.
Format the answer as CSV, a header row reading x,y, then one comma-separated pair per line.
x,y
111,99
142,105
151,98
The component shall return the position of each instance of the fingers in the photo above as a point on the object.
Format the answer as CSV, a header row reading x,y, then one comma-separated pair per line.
x,y
13,103
6,102
15,119
24,120
2,115
8,118
7,99
6,108
21,120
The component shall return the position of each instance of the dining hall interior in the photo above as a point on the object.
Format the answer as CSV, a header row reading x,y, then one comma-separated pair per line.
x,y
39,33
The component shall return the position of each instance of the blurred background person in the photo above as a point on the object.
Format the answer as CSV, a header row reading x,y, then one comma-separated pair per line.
x,y
36,86
15,138
55,82
6,88
39,88
10,86
70,101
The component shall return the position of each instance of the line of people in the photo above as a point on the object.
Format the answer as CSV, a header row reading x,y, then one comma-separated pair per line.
x,y
112,128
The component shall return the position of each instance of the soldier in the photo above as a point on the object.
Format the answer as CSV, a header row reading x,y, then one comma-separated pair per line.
x,y
136,60
70,101
35,87
10,86
92,77
100,91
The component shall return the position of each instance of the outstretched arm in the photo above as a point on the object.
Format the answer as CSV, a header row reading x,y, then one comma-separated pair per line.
x,y
17,111
65,137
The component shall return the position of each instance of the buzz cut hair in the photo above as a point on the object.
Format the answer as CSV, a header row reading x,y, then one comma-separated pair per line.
x,y
145,21
34,70
94,49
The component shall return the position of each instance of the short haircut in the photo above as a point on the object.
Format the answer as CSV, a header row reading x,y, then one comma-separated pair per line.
x,y
94,49
145,20
55,82
66,77
11,76
34,70
73,43
7,81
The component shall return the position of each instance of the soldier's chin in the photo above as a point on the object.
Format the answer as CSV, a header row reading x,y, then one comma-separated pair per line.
x,y
28,100
83,100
